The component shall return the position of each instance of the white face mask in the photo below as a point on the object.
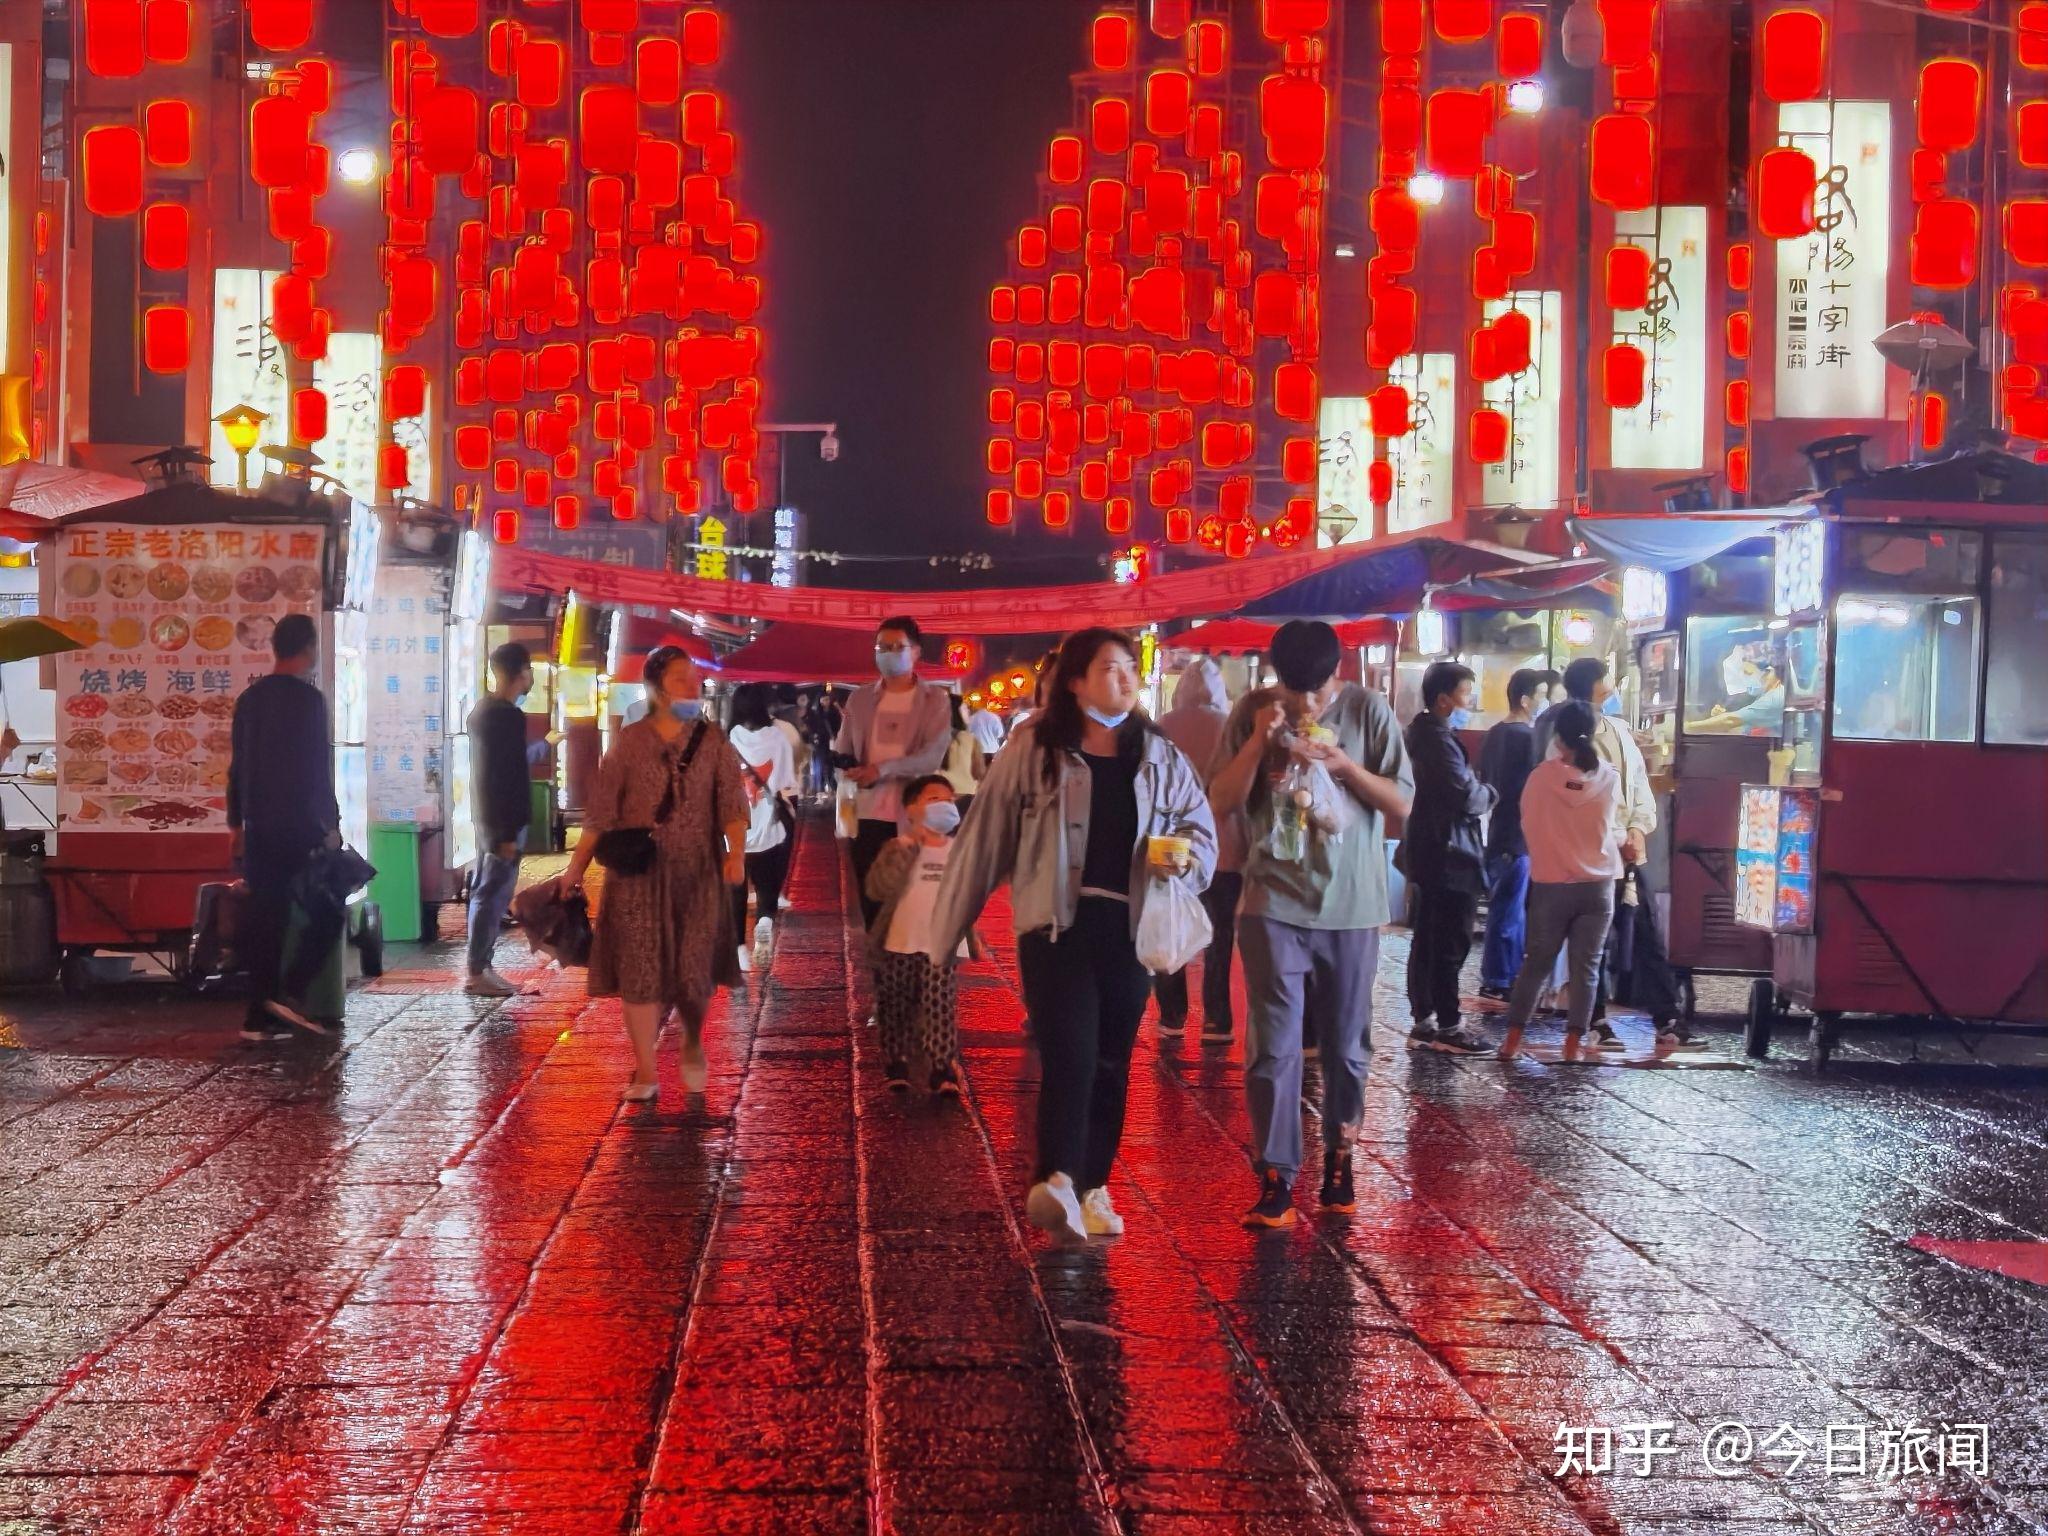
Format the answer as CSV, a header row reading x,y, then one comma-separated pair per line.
x,y
894,663
941,816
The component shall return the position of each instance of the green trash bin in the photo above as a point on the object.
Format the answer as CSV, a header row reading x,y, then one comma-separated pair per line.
x,y
395,851
326,997
540,819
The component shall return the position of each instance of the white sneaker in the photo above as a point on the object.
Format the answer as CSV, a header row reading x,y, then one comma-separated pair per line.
x,y
696,1070
746,959
782,903
488,983
1051,1207
1098,1216
764,943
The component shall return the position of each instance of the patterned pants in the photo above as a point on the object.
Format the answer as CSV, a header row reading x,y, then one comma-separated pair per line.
x,y
914,1009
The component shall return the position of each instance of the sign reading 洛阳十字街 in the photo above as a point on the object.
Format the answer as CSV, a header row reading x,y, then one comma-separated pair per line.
x,y
248,366
179,622
406,667
1668,430
1831,283
352,377
1528,476
1343,449
1421,457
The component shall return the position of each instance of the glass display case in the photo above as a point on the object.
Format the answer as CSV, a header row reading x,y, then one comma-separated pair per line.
x,y
1657,686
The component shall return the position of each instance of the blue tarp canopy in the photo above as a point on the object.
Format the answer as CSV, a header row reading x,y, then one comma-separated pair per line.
x,y
1671,541
1393,578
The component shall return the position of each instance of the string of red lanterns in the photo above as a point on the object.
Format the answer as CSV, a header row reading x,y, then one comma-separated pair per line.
x,y
1165,305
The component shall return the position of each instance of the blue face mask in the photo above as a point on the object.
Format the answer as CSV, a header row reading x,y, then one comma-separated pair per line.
x,y
1107,722
686,710
1611,705
1460,718
894,663
942,817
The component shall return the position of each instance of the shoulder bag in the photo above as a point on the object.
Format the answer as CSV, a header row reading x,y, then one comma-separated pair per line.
x,y
630,850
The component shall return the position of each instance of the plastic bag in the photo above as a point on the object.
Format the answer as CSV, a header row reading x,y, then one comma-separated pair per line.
x,y
846,809
1173,929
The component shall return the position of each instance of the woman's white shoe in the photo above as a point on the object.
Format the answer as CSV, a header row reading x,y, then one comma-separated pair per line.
x,y
640,1093
1098,1216
1052,1207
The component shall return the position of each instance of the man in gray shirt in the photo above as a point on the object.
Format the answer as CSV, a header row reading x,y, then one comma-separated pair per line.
x,y
1308,932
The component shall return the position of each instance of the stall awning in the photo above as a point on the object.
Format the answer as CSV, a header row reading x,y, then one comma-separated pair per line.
x,y
812,653
1554,584
643,635
1673,541
1388,576
35,494
1235,637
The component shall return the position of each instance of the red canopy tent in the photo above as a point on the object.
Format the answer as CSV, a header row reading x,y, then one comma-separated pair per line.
x,y
813,653
1230,637
643,635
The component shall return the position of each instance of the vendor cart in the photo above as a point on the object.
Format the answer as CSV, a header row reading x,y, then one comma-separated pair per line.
x,y
1895,855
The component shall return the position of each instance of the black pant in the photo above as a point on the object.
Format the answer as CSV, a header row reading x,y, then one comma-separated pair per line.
x,y
269,865
1220,902
1085,993
869,841
1436,956
765,873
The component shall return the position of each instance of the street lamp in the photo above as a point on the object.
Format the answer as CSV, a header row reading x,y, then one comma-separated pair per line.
x,y
241,425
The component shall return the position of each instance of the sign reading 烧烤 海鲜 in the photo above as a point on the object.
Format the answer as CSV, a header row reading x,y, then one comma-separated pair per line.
x,y
1668,430
179,620
1831,283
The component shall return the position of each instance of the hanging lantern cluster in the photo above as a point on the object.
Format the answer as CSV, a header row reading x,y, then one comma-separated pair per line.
x,y
1942,253
121,165
291,165
1622,175
2023,237
1155,342
601,304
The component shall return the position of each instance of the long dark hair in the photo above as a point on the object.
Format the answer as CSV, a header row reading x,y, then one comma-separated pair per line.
x,y
1060,724
1575,724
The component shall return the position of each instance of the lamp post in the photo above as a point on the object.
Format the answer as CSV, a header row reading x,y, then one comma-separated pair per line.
x,y
241,425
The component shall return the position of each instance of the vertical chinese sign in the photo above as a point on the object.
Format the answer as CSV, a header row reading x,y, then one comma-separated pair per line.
x,y
408,728
1831,282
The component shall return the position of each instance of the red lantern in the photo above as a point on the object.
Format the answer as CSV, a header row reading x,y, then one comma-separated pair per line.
x,y
1624,161
472,447
658,70
1401,27
1180,524
1283,20
1951,97
1292,113
309,415
1741,331
167,31
167,133
1622,370
166,338
111,167
1387,408
280,141
1059,509
1031,245
2030,135
568,511
166,236
280,25
1064,159
1513,336
703,37
1111,40
1488,436
1518,46
1117,513
113,38
1625,32
1379,482
1462,21
1298,460
1294,391
405,391
1454,132
1944,245
538,68
1628,277
1168,95
1738,470
1208,48
1933,421
2026,231
1109,125
1783,199
1736,400
1795,50
2032,27
1741,265
609,122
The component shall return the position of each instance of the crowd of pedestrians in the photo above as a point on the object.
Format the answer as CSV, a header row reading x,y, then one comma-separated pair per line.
x,y
1253,832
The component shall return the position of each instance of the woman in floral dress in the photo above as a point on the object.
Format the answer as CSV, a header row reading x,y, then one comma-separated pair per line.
x,y
663,938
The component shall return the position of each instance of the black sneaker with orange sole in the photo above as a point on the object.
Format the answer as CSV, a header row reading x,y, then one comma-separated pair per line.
x,y
1337,1196
1275,1206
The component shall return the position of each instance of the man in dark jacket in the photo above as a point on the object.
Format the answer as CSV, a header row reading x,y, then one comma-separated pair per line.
x,y
498,761
1443,857
1505,758
281,809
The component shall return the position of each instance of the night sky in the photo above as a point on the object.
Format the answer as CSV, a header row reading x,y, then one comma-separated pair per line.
x,y
888,148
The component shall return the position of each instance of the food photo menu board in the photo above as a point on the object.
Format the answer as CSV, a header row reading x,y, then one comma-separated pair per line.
x,y
178,621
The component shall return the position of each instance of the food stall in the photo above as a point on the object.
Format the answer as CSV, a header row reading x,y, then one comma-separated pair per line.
x,y
1696,598
1893,855
180,589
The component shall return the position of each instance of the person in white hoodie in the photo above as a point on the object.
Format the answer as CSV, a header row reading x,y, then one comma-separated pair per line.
x,y
1201,706
1569,821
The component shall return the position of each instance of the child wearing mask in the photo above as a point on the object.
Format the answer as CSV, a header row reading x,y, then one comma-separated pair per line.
x,y
914,999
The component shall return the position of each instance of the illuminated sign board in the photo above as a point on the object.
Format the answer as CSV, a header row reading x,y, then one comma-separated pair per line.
x,y
1528,476
1668,430
1831,283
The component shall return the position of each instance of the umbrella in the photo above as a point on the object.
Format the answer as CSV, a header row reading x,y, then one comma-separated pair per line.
x,y
23,638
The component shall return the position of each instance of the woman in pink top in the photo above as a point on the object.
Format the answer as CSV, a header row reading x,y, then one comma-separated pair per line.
x,y
1574,860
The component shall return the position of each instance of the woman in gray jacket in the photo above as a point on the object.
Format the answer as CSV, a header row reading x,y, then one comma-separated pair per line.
x,y
1068,816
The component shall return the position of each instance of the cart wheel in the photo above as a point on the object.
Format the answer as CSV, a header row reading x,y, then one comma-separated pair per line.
x,y
1763,1016
1820,1041
72,975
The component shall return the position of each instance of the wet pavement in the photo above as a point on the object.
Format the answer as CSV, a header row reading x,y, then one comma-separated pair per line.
x,y
433,1278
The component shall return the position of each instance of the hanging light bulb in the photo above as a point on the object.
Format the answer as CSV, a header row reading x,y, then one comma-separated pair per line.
x,y
1426,188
